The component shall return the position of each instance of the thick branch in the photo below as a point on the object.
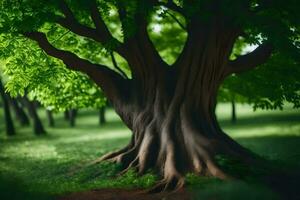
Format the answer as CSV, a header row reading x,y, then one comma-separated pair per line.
x,y
79,29
176,20
143,59
100,25
100,34
251,60
69,22
111,83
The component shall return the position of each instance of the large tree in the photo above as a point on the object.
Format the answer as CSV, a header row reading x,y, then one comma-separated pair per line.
x,y
168,104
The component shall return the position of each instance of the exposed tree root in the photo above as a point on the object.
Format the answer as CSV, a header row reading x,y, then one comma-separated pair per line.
x,y
175,142
171,157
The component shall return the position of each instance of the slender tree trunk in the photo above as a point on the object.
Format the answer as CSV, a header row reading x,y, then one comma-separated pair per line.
x,y
51,122
102,119
233,111
66,115
10,129
20,113
38,127
72,117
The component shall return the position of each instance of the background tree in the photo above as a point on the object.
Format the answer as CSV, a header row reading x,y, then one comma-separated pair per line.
x,y
38,127
102,118
9,125
55,87
169,104
51,121
19,111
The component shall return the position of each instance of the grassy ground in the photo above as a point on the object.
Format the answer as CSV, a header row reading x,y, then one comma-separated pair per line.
x,y
41,167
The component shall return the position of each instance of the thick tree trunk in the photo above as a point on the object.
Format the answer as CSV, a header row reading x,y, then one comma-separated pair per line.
x,y
20,113
51,122
176,140
102,119
10,129
171,112
176,131
38,127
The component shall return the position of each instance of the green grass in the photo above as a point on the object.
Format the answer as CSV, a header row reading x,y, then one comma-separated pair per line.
x,y
41,167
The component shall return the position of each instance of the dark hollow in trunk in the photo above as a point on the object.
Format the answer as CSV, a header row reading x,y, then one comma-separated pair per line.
x,y
72,117
102,119
50,118
9,126
20,113
38,127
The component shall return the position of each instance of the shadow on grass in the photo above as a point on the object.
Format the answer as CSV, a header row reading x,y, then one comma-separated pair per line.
x,y
12,188
283,148
276,177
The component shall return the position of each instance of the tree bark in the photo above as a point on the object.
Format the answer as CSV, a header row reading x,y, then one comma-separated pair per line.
x,y
51,122
20,113
172,112
102,119
10,129
174,136
38,127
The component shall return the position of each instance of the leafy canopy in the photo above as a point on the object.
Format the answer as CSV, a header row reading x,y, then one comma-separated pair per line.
x,y
46,79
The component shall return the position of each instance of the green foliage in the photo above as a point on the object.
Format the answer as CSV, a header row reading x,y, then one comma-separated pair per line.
x,y
29,70
166,34
267,87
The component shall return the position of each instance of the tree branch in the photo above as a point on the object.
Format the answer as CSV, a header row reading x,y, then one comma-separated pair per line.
x,y
111,82
171,5
100,34
251,60
143,58
100,25
116,65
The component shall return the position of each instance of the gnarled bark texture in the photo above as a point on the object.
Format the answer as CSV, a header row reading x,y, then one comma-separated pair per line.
x,y
170,109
